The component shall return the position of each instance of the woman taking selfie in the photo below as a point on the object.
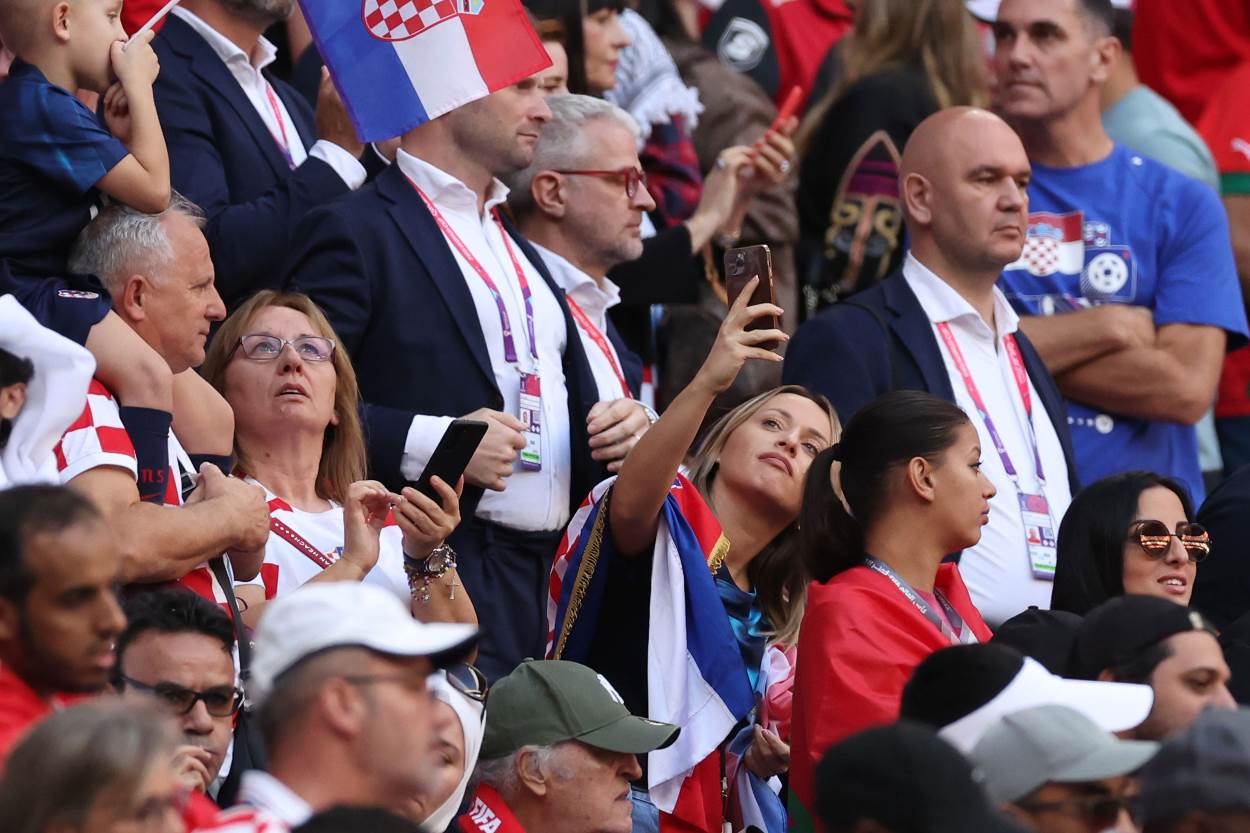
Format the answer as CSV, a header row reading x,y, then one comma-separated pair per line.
x,y
910,473
695,574
1128,533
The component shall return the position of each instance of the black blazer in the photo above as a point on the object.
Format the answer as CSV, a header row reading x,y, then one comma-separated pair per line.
x,y
223,158
880,340
377,264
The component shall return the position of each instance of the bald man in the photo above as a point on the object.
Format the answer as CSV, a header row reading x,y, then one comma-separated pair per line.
x,y
941,325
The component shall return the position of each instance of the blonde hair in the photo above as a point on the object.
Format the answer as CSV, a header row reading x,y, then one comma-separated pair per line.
x,y
938,35
343,455
777,572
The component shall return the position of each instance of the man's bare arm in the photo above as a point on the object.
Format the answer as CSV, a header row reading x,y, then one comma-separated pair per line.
x,y
1070,339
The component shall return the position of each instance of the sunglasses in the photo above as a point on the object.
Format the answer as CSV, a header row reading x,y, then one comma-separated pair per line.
x,y
1101,810
222,701
265,348
634,177
1155,538
470,682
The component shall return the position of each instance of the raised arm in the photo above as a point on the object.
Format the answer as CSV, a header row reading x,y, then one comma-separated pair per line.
x,y
639,492
141,180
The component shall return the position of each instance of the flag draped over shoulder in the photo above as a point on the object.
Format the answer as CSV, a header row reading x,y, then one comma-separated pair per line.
x,y
696,678
400,63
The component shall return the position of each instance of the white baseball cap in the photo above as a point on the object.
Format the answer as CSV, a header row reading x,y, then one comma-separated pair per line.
x,y
1114,707
341,614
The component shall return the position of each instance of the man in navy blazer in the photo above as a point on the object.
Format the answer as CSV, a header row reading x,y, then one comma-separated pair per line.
x,y
445,310
244,145
962,184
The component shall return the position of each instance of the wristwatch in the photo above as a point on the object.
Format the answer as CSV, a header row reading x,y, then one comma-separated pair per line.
x,y
441,559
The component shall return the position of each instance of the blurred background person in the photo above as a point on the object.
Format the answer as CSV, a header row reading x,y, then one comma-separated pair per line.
x,y
1200,779
459,719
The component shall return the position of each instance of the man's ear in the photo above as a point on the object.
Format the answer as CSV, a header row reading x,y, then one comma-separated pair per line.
x,y
342,707
549,194
60,21
917,193
1104,56
133,298
530,772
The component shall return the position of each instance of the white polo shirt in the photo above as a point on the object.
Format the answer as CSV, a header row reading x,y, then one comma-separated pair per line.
x,y
997,570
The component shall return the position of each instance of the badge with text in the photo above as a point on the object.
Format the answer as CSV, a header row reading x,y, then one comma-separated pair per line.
x,y
531,416
1039,535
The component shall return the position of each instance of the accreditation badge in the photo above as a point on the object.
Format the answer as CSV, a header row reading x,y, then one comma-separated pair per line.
x,y
531,401
1039,535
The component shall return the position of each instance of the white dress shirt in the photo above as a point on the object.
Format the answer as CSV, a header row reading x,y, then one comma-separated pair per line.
x,y
248,73
998,570
594,298
533,500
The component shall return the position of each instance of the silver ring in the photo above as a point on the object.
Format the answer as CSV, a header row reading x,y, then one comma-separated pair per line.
x,y
722,164
785,166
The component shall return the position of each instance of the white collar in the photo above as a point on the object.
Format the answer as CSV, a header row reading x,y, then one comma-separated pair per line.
x,y
941,303
263,791
443,189
582,287
225,48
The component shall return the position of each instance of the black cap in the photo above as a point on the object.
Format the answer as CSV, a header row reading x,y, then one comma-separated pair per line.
x,y
1044,635
956,681
1206,768
1120,629
904,777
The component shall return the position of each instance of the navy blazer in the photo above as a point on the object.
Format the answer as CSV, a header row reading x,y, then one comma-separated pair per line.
x,y
881,340
377,264
223,158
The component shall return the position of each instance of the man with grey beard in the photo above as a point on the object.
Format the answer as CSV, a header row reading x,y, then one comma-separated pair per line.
x,y
243,144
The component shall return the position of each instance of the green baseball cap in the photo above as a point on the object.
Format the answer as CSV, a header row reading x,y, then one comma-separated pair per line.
x,y
548,701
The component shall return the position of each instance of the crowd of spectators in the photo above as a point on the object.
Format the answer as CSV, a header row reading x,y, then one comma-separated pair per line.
x,y
931,525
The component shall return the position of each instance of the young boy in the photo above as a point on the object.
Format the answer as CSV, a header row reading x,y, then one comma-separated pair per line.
x,y
55,160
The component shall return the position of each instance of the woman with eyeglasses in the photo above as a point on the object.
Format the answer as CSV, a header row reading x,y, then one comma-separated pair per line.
x,y
102,767
458,722
298,435
1132,532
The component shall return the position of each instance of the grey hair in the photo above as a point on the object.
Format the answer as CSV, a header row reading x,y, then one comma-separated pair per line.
x,y
563,143
78,758
123,240
501,773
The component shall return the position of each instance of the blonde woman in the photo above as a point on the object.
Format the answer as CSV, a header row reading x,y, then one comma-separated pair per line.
x,y
903,61
298,435
670,585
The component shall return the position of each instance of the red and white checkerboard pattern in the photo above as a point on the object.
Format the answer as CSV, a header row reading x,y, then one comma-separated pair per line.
x,y
97,438
395,20
1041,256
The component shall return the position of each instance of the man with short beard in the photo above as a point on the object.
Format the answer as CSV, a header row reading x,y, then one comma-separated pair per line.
x,y
244,145
58,612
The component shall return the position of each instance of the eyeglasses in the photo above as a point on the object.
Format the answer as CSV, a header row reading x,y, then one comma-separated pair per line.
x,y
470,682
265,348
222,701
1155,538
634,177
1101,810
413,681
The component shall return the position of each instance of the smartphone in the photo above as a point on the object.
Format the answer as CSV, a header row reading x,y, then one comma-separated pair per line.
x,y
452,455
741,265
788,107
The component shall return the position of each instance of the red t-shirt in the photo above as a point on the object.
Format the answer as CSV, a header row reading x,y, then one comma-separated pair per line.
x,y
21,708
803,33
1185,50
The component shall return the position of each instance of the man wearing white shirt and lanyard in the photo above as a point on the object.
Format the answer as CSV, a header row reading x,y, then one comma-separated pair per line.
x,y
963,179
581,202
447,311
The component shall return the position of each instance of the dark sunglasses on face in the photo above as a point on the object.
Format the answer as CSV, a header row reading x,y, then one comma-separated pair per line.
x,y
1155,538
265,348
222,701
1101,810
634,177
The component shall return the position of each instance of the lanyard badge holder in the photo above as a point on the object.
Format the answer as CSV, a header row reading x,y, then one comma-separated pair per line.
x,y
530,395
1040,537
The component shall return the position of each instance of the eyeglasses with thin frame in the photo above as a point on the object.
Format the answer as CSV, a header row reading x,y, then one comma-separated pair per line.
x,y
1155,538
408,680
469,681
260,347
1101,810
634,177
222,701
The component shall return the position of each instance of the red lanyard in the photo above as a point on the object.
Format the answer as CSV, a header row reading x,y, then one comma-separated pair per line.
x,y
1022,384
583,321
284,143
509,346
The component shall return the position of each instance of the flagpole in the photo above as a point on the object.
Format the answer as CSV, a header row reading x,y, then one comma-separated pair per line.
x,y
152,21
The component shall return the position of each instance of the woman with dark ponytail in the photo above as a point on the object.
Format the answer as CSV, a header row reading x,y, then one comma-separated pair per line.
x,y
909,469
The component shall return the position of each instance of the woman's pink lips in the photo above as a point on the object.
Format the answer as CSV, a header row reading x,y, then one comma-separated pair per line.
x,y
780,462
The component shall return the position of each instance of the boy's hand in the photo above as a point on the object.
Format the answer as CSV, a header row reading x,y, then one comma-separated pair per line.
x,y
117,113
137,67
333,123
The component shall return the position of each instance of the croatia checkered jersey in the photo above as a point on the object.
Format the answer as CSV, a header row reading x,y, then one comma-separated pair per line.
x,y
98,438
244,819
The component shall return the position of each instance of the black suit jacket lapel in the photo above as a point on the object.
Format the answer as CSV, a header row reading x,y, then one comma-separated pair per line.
x,y
915,332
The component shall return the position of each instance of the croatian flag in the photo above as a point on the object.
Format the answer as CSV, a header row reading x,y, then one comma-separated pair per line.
x,y
400,63
1056,244
696,678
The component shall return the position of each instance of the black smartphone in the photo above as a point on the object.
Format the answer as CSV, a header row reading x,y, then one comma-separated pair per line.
x,y
452,455
741,265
